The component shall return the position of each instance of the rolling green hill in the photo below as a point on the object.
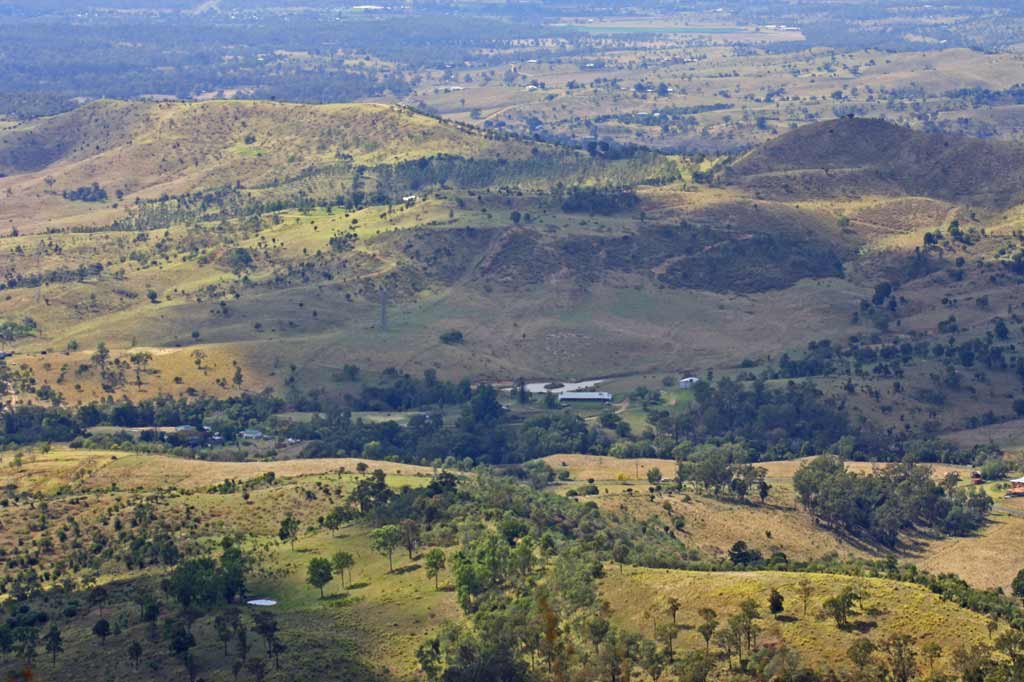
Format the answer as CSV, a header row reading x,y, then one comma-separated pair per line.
x,y
251,247
138,151
262,235
238,203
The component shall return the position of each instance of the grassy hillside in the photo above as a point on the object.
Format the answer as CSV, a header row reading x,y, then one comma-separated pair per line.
x,y
102,469
261,235
450,258
380,612
871,156
370,626
638,597
987,559
145,150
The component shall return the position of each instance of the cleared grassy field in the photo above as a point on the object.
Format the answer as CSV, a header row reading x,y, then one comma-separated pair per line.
x,y
713,526
582,467
100,469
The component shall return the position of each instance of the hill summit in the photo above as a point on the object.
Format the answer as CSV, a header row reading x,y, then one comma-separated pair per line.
x,y
875,156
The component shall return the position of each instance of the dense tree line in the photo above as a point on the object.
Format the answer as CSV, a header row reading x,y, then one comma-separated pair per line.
x,y
29,280
36,423
12,330
33,424
484,433
404,392
823,358
722,468
899,497
91,193
982,97
234,413
598,200
795,418
553,164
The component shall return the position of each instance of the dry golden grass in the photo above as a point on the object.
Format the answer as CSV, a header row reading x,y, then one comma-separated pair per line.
x,y
989,559
90,469
149,471
713,526
1008,435
582,467
638,598
148,149
902,214
45,473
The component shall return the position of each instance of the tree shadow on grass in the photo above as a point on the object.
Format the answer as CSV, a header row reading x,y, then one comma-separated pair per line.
x,y
337,597
402,570
754,503
358,586
785,618
867,544
861,626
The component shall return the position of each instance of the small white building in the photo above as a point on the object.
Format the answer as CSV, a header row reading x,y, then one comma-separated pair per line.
x,y
688,382
251,434
584,396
